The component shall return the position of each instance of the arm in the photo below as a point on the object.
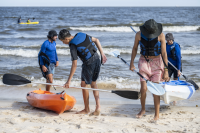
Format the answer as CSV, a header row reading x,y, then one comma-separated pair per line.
x,y
43,49
134,50
73,51
57,62
73,69
178,57
164,54
98,44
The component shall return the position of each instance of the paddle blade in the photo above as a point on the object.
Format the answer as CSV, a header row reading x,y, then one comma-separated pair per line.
x,y
115,53
12,79
155,88
127,94
194,84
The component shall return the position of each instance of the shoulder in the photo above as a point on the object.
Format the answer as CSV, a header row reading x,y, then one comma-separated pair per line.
x,y
45,43
81,33
177,45
161,36
138,35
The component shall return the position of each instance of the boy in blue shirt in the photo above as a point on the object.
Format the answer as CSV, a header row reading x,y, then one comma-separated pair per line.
x,y
49,48
174,56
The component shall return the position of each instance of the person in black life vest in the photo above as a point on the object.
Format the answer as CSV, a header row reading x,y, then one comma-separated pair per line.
x,y
153,47
174,56
49,49
83,46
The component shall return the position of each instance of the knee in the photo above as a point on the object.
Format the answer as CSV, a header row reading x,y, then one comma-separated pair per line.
x,y
93,85
49,80
143,90
83,84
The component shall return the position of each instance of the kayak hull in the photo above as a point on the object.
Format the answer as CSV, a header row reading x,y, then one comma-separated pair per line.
x,y
30,23
50,101
176,91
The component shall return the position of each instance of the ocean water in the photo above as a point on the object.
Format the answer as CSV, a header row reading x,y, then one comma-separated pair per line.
x,y
20,44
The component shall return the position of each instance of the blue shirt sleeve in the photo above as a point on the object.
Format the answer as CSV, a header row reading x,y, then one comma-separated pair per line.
x,y
178,56
43,49
56,57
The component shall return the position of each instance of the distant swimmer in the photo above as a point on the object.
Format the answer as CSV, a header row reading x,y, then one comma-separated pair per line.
x,y
174,56
19,20
85,47
28,21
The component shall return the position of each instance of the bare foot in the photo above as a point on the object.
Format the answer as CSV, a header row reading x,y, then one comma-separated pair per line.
x,y
83,112
140,114
95,113
156,118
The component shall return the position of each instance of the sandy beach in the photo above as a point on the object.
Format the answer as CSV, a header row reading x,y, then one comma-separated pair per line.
x,y
21,43
20,117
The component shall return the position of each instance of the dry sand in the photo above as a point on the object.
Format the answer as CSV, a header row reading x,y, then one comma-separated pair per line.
x,y
20,117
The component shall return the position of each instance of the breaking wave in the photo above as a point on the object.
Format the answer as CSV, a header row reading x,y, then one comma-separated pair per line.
x,y
128,29
65,51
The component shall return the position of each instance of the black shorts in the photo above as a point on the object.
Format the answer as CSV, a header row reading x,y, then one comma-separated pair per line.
x,y
172,70
90,70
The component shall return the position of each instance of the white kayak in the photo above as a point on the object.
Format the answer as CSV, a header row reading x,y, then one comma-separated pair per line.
x,y
177,90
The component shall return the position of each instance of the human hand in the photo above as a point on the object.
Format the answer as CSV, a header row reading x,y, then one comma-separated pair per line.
x,y
104,58
44,69
179,73
166,76
66,85
57,63
132,67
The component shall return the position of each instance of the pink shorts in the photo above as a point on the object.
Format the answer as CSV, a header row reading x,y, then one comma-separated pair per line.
x,y
152,70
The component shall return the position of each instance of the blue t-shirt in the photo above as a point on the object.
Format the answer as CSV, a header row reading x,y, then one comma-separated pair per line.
x,y
19,21
177,62
50,50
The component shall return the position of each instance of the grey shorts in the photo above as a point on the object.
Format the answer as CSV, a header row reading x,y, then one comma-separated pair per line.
x,y
51,69
90,71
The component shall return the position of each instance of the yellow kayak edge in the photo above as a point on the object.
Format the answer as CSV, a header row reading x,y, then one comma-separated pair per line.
x,y
30,23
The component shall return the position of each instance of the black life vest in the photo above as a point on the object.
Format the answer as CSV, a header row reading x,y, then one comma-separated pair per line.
x,y
45,60
85,47
149,47
172,51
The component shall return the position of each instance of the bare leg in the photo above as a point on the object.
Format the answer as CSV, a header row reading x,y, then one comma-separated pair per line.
x,y
86,110
96,96
174,102
143,91
49,80
157,106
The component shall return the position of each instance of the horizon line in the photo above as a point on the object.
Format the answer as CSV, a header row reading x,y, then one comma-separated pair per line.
x,y
100,6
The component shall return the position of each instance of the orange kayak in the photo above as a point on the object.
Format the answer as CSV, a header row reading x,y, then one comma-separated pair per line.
x,y
57,102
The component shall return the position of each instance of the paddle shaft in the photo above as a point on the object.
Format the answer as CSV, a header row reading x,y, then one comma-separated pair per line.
x,y
73,87
129,66
177,70
133,29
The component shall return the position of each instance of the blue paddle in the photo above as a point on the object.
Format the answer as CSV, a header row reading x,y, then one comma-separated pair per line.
x,y
154,88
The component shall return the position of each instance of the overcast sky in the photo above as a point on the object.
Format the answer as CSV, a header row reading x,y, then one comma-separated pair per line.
x,y
99,2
